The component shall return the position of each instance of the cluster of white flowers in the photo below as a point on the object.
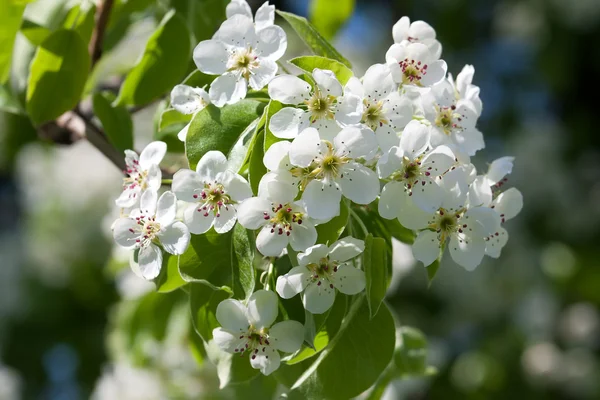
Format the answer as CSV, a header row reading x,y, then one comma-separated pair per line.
x,y
403,133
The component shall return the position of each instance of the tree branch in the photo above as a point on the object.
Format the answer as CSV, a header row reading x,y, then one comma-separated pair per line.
x,y
102,16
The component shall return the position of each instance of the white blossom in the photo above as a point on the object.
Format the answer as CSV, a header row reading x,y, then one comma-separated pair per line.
x,y
281,220
250,328
321,270
322,105
265,15
242,55
327,169
143,173
404,33
413,65
214,192
188,100
149,226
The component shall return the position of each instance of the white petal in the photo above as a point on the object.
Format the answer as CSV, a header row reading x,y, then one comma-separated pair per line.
x,y
387,138
153,154
313,254
322,200
508,204
414,139
175,238
270,244
278,187
390,162
303,236
318,298
427,195
305,147
182,135
293,282
238,7
126,232
346,248
198,220
287,336
150,261
211,57
272,42
265,16
276,156
166,208
495,243
390,200
397,52
266,361
470,140
210,165
436,71
354,86
349,109
426,247
378,82
262,308
421,30
148,202
464,79
186,184
262,75
398,110
185,99
349,280
480,193
356,142
129,197
467,251
488,220
289,89
225,219
327,128
411,216
439,160
327,82
237,31
251,212
228,341
400,29
227,89
358,183
236,186
287,123
154,177
232,316
499,169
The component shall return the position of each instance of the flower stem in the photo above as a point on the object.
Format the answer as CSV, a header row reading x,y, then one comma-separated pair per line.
x,y
166,181
267,285
360,221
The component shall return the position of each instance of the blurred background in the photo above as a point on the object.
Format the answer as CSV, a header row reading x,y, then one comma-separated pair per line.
x,y
75,323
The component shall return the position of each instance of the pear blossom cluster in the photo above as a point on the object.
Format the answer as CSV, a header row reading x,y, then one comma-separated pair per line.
x,y
399,139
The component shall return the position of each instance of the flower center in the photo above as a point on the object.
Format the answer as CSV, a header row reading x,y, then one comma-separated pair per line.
x,y
373,116
282,217
412,71
254,341
447,223
411,172
447,119
320,106
243,61
148,229
135,176
323,270
212,198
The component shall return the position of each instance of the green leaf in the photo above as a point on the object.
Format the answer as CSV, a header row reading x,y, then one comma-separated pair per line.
x,y
272,109
256,168
328,16
399,232
215,128
81,19
34,32
162,65
376,272
411,355
169,279
432,270
203,17
115,120
329,232
353,360
309,34
173,117
8,102
10,21
220,260
309,63
57,76
203,302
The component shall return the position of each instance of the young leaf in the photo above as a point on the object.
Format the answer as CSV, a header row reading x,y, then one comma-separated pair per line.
x,y
10,20
256,168
162,65
173,117
57,76
169,279
329,16
313,39
432,270
329,232
203,302
8,102
115,120
272,108
34,32
308,63
220,260
220,129
375,267
81,19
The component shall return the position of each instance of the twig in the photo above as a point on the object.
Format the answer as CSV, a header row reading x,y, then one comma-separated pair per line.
x,y
102,16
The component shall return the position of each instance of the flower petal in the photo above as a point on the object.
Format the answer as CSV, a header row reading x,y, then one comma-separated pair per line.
x,y
349,280
198,221
356,142
129,197
154,177
237,31
270,244
305,147
225,219
166,208
387,137
262,308
232,316
509,203
186,184
312,254
293,282
153,154
185,100
303,236
287,336
436,71
414,139
251,212
211,57
236,186
228,341
266,361
227,89
349,110
265,16
495,243
125,232
318,298
182,135
467,251
390,162
499,169
287,123
262,75
238,7
322,200
272,42
175,238
148,202
346,249
289,89
358,183
150,261
390,200
378,82
426,247
210,165
327,82
276,156
411,216
427,195
400,29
